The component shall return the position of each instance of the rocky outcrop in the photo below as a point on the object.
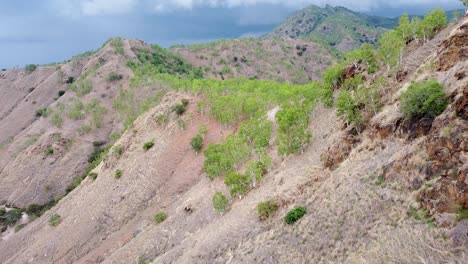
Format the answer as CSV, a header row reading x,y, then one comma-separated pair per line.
x,y
454,49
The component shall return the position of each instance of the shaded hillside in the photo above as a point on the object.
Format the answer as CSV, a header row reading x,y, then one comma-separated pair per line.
x,y
295,61
339,27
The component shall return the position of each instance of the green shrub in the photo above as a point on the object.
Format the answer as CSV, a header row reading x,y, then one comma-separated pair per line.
x,y
81,87
346,108
43,112
185,102
148,145
49,151
84,129
220,202
114,77
423,99
197,143
118,151
118,174
56,119
33,209
256,169
9,218
55,220
238,183
294,215
61,93
160,217
92,175
293,130
75,111
266,209
76,182
180,109
30,68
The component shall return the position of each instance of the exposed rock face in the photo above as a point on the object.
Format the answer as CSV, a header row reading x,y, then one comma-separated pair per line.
x,y
340,150
454,49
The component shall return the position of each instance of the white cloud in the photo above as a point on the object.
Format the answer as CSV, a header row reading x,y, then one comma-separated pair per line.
x,y
116,7
107,7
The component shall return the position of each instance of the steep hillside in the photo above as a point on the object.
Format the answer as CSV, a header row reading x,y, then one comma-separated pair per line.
x,y
339,27
386,188
295,61
56,120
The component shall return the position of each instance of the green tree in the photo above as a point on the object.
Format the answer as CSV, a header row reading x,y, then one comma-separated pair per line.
x,y
404,27
390,49
333,75
435,20
257,131
293,131
417,29
238,184
347,109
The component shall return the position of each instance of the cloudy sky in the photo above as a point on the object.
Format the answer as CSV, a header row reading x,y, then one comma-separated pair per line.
x,y
54,30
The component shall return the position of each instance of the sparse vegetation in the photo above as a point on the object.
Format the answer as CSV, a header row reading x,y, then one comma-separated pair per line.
x,y
220,202
148,145
118,174
93,175
197,141
49,151
117,43
114,77
294,215
43,112
423,99
160,217
10,217
55,220
266,209
30,68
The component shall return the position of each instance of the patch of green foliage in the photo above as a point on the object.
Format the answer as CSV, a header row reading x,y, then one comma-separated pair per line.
x,y
118,173
114,77
10,217
266,209
55,220
220,202
148,145
293,131
81,87
423,99
93,175
49,151
224,157
294,215
238,183
117,43
97,112
43,112
160,217
257,131
30,68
